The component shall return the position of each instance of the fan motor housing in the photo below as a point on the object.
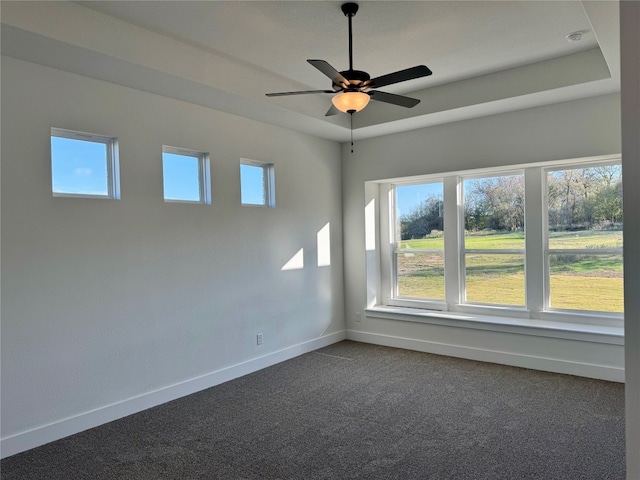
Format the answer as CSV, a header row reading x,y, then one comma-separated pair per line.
x,y
356,79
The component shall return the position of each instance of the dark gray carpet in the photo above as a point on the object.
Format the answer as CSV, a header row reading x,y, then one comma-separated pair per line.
x,y
358,411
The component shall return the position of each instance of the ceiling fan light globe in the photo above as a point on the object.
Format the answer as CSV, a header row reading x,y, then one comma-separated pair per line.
x,y
348,102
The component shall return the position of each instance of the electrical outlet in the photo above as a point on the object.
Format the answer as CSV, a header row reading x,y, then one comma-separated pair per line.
x,y
358,316
259,339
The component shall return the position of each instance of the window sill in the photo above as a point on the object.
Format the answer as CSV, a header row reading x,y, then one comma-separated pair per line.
x,y
613,335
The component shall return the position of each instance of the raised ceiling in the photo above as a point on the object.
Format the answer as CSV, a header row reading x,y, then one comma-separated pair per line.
x,y
486,56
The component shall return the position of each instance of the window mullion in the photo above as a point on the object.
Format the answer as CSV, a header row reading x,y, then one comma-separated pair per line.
x,y
453,223
535,239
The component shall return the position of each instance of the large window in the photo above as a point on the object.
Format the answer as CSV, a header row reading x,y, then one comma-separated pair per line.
x,y
541,242
84,165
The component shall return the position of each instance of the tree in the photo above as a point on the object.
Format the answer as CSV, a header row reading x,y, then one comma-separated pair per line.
x,y
495,203
426,217
581,197
608,204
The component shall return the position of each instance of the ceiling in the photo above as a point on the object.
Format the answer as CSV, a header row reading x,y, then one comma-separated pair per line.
x,y
487,57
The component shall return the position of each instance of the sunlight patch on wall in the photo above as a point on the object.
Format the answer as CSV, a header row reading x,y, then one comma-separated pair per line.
x,y
324,246
296,262
370,226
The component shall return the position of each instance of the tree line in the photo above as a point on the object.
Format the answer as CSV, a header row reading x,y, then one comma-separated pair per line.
x,y
577,199
585,198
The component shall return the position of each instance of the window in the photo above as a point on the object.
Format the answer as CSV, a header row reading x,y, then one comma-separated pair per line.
x,y
419,241
186,175
84,165
257,183
542,242
493,253
584,238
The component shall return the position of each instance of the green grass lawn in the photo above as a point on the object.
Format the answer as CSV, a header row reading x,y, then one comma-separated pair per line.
x,y
586,239
515,240
581,282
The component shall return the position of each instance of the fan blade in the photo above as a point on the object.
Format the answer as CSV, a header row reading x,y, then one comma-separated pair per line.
x,y
332,111
399,76
335,76
301,92
394,99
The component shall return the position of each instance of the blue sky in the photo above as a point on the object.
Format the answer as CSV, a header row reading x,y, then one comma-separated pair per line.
x,y
252,181
78,166
181,177
408,197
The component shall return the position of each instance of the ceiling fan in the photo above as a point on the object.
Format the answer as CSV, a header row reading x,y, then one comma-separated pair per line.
x,y
354,88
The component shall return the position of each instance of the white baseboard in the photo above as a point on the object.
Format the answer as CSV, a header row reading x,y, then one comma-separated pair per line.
x,y
23,441
601,372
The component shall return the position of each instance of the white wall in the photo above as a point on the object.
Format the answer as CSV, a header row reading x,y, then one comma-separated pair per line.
x,y
630,56
109,307
574,129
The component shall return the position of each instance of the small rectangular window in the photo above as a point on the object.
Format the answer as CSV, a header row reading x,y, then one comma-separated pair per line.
x,y
186,175
257,183
84,165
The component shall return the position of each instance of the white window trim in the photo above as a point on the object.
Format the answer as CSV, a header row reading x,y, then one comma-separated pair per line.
x,y
608,334
113,163
269,183
204,174
391,296
595,326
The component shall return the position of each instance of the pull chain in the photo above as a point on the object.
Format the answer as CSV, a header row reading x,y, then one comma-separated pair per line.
x,y
351,113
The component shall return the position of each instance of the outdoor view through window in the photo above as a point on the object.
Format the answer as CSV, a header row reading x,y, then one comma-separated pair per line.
x,y
493,253
578,255
420,249
585,238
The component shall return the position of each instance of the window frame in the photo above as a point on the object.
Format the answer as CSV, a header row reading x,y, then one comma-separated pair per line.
x,y
268,181
382,282
204,174
548,252
112,162
464,251
394,298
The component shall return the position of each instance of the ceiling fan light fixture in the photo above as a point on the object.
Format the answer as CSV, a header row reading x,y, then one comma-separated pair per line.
x,y
350,102
348,84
